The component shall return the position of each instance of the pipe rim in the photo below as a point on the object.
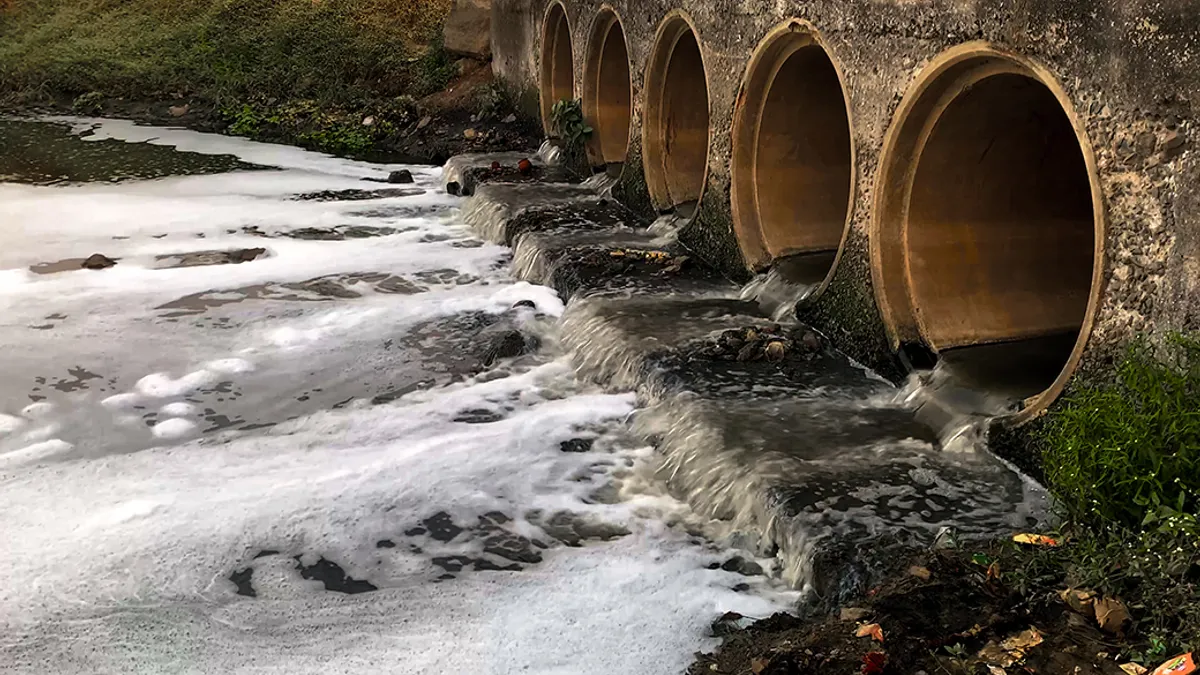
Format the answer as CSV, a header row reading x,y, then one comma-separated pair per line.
x,y
606,20
896,176
555,11
747,223
673,27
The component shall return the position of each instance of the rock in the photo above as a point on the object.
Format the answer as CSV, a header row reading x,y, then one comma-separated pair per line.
x,y
368,121
468,30
742,566
508,344
401,176
98,261
470,134
811,341
576,445
1173,144
525,303
424,122
495,166
730,623
453,188
510,119
854,613
179,110
776,350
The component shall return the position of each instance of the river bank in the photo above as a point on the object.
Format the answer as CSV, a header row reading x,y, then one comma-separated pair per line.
x,y
365,80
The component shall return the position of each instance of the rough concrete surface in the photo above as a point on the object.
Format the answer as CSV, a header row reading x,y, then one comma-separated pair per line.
x,y
1127,68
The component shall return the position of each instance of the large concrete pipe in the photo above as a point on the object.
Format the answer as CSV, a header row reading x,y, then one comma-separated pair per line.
x,y
607,91
675,131
558,63
989,222
792,155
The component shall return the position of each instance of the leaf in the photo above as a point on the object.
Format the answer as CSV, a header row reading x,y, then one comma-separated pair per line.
x,y
874,663
1111,615
872,629
919,572
1134,669
1035,539
758,665
982,559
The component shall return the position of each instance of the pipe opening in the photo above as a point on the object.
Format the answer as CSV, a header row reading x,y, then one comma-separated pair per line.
x,y
607,96
676,126
987,230
792,158
558,70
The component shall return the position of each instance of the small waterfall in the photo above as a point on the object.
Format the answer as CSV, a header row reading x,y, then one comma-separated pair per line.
x,y
666,228
550,153
960,415
777,296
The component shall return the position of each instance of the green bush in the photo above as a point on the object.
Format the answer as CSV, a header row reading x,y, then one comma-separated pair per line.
x,y
1127,453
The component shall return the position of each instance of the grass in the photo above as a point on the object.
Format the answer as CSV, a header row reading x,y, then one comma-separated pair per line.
x,y
303,71
331,50
1122,458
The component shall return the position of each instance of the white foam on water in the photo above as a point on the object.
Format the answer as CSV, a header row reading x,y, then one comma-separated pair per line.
x,y
162,385
122,528
34,453
174,429
177,409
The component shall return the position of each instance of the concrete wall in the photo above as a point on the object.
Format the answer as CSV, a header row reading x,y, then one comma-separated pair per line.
x,y
1130,68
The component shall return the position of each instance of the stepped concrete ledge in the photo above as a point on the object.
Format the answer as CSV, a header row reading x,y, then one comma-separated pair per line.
x,y
803,454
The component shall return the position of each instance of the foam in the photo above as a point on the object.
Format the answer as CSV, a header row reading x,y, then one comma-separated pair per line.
x,y
120,537
173,429
34,453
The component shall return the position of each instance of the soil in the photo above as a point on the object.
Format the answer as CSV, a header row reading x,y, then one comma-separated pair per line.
x,y
939,613
447,124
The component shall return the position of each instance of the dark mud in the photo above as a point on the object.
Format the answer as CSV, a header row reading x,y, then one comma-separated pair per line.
x,y
939,612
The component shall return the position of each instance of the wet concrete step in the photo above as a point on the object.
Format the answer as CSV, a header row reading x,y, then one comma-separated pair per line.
x,y
803,454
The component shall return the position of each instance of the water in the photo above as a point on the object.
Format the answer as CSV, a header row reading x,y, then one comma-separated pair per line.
x,y
809,457
301,462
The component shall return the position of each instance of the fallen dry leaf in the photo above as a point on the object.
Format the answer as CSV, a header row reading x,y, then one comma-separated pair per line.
x,y
993,571
1035,539
1079,601
1134,669
872,629
874,663
919,572
1111,615
1180,665
759,665
997,670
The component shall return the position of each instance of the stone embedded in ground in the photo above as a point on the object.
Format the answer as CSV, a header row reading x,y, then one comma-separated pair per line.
x,y
98,261
478,416
205,258
512,547
738,564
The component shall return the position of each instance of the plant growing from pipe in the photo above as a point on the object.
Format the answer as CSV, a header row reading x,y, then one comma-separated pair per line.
x,y
571,129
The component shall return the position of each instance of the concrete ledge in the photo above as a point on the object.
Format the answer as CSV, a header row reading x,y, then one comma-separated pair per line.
x,y
802,454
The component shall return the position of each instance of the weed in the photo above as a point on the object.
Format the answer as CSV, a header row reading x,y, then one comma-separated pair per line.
x,y
1127,454
495,100
568,124
88,104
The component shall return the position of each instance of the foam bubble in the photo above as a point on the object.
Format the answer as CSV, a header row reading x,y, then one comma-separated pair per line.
x,y
161,385
10,423
230,366
121,401
177,409
173,429
37,411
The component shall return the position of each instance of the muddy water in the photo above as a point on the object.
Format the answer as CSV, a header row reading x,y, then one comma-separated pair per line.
x,y
278,434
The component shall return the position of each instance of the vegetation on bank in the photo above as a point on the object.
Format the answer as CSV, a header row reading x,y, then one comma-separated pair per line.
x,y
1122,457
343,76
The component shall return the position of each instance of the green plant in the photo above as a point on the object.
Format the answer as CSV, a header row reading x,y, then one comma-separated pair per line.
x,y
244,121
1127,453
569,125
89,103
495,100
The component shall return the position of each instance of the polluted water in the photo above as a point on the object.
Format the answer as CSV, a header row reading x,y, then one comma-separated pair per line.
x,y
259,414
